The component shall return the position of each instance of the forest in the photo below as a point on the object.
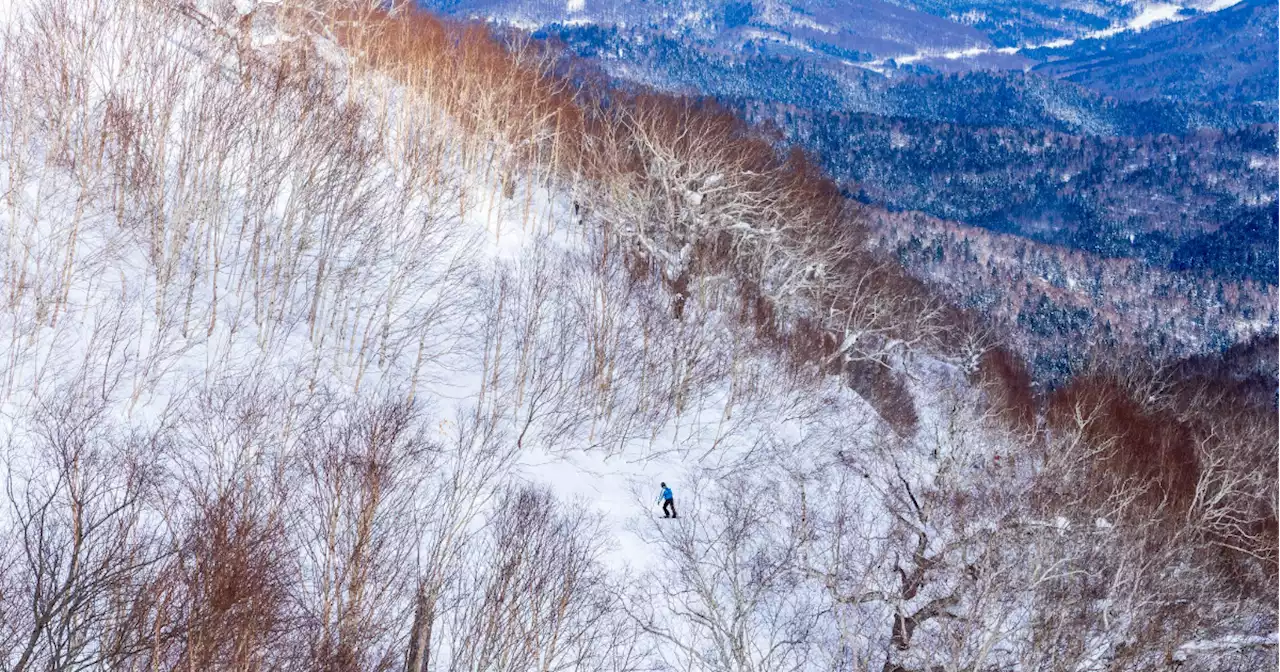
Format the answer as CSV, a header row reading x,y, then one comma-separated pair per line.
x,y
339,339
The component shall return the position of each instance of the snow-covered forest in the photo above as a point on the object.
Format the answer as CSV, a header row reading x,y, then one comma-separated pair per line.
x,y
332,339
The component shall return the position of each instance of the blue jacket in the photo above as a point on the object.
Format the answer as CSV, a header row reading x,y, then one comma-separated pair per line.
x,y
666,493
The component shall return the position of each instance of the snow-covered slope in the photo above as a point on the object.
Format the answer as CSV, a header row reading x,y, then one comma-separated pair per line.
x,y
310,258
310,362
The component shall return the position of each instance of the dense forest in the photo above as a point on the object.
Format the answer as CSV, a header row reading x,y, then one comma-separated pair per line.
x,y
1204,201
1065,309
1222,57
843,82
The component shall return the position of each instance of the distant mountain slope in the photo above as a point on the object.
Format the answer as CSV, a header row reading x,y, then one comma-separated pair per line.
x,y
1229,55
1025,24
1062,308
1203,201
1016,99
1029,100
860,55
1017,22
839,29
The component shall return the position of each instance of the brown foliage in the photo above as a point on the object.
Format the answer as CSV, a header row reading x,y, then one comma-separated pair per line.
x,y
1007,382
886,392
1201,452
1135,443
656,147
235,582
1237,427
473,77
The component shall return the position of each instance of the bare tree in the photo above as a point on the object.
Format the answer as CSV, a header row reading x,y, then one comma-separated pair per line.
x,y
355,522
727,593
82,570
543,600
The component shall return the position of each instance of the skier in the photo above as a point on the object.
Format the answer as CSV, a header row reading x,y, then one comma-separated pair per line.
x,y
668,502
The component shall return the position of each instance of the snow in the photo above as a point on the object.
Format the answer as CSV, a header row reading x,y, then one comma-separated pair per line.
x,y
1223,644
948,55
495,242
771,36
491,303
803,21
1149,15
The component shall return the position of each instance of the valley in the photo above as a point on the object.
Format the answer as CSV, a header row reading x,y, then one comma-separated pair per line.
x,y
1125,156
349,337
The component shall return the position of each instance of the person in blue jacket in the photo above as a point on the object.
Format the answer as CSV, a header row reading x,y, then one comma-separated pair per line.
x,y
668,502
